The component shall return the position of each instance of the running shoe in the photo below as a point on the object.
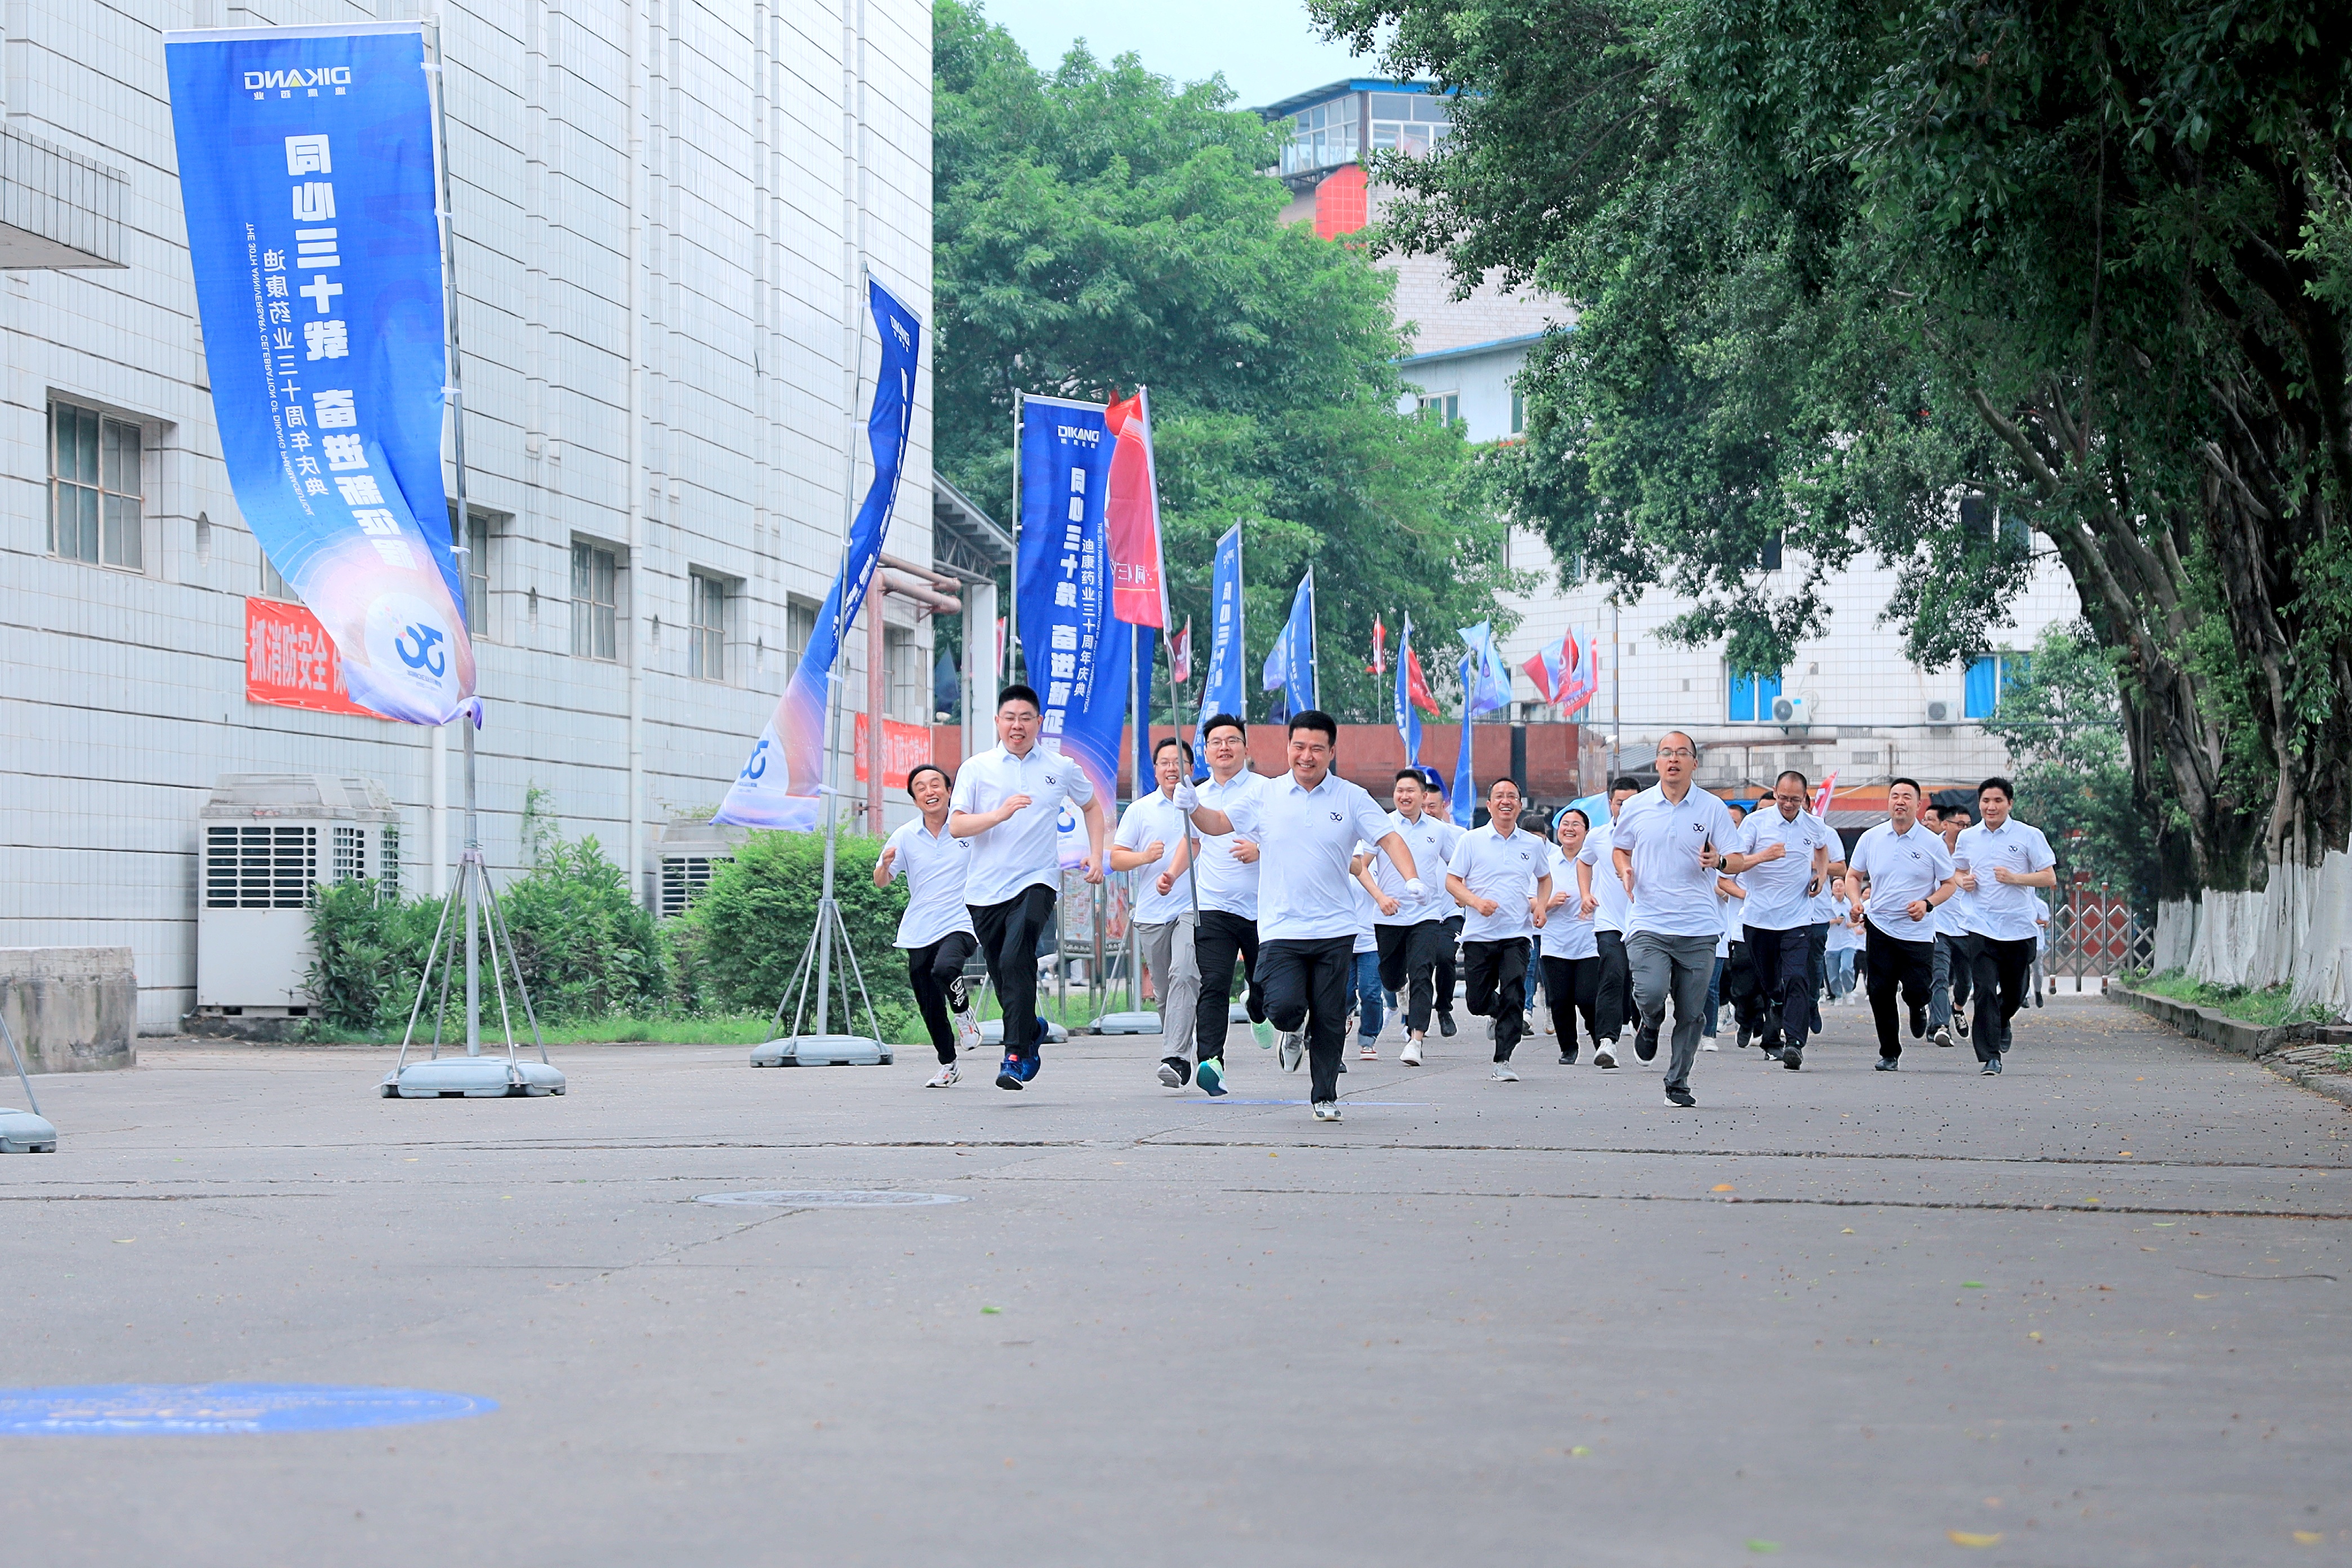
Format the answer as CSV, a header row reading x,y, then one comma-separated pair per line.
x,y
1327,1111
1890,1064
1009,1074
1792,1057
1175,1071
1568,1056
1503,1074
1743,1039
1992,1067
1680,1097
945,1078
1960,1022
1645,1042
1212,1077
1291,1049
1445,1025
1604,1054
1944,1036
1772,1050
1707,1044
1369,1052
1546,1021
966,1031
1919,1021
1265,1034
1411,1055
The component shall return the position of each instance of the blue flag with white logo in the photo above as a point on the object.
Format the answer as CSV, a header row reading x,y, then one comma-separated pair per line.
x,y
1222,691
1290,664
1464,801
1408,717
307,175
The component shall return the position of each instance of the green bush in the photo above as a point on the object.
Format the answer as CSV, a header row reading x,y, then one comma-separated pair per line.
x,y
749,928
585,949
368,951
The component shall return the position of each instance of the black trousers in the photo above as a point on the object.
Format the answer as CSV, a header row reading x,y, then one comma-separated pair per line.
x,y
1444,976
1306,985
1496,973
1409,966
1614,1003
2000,971
1008,939
936,972
1895,963
1572,985
1783,962
1821,940
1221,938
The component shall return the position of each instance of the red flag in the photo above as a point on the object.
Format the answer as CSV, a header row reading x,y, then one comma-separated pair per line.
x,y
1138,585
1416,689
1379,665
1179,653
1821,795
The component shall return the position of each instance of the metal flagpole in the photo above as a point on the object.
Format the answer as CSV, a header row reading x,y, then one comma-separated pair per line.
x,y
1314,646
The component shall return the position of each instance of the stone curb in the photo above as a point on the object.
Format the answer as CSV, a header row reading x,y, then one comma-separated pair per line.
x,y
2289,1050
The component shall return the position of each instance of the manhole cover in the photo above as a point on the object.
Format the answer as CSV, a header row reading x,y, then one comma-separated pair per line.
x,y
834,1200
211,1409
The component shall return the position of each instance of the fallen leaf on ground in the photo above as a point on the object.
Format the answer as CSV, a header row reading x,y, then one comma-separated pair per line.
x,y
1721,1187
1963,1538
1847,1231
2035,1336
1578,1453
2308,1537
1766,1547
1971,1284
991,1310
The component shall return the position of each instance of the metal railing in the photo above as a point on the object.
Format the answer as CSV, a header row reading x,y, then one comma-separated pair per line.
x,y
2094,934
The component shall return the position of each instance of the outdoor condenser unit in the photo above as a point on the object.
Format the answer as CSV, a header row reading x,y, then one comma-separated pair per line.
x,y
263,839
690,850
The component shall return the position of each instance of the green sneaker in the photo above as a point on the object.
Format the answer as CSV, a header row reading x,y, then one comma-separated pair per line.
x,y
1264,1033
1211,1077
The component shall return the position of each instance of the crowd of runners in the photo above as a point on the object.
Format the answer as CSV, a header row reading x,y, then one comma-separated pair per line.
x,y
1334,911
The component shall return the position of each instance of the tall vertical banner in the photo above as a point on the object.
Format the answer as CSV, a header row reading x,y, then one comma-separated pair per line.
x,y
1408,720
1074,648
1290,664
780,784
1222,691
1464,803
306,175
1138,576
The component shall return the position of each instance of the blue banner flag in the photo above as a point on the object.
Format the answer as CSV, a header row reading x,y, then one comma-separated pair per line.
x,y
1222,691
1464,803
1290,664
1076,653
306,175
1408,719
781,784
1491,689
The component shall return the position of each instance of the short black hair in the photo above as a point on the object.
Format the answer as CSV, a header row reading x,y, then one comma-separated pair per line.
x,y
1744,807
2007,790
1412,773
1016,692
1498,781
1626,781
1802,781
1913,783
1316,718
1167,741
1956,809
1565,812
919,769
1219,721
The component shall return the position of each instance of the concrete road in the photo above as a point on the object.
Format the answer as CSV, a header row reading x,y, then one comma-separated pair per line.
x,y
2089,1313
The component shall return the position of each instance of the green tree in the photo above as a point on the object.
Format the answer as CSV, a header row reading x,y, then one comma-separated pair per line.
x,y
1100,227
1843,265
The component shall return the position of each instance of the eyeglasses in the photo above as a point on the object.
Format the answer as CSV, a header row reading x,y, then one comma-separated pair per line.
x,y
1677,751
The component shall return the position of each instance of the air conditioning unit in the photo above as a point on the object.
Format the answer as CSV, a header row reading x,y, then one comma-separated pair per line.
x,y
691,851
266,839
1943,712
1795,709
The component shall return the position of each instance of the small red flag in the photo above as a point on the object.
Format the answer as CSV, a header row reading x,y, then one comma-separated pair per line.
x,y
1379,665
1416,687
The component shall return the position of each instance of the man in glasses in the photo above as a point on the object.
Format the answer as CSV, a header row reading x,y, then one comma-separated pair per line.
x,y
1667,843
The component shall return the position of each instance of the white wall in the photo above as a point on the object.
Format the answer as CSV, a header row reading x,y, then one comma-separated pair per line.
x,y
122,695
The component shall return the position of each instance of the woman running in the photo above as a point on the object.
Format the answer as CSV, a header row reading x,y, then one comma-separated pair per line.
x,y
936,930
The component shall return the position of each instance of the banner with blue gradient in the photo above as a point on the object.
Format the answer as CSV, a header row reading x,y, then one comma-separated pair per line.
x,y
1290,663
306,175
1222,691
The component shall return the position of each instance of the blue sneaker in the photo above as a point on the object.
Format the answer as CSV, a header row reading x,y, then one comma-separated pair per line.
x,y
1212,1077
1009,1074
1029,1066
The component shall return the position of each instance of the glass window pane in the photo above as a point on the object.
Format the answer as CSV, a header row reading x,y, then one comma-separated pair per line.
x,y
85,445
1432,111
1392,105
121,449
86,505
121,544
579,571
1980,688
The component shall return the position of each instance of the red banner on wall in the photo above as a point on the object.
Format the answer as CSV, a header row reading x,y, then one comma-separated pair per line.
x,y
290,662
903,746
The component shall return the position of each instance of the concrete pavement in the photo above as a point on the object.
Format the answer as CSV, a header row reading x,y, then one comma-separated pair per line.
x,y
2093,1308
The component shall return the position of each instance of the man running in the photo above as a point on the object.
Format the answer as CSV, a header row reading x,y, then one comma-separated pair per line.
x,y
1899,873
1998,866
1782,858
1413,934
1227,870
1008,802
1602,898
1503,877
1667,843
1307,825
1154,838
1947,994
936,930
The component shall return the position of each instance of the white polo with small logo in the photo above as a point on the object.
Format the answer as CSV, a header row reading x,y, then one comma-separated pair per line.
x,y
1903,867
1674,895
1305,838
1504,869
1024,851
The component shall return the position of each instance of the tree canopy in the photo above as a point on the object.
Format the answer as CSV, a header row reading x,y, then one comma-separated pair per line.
x,y
1099,226
1961,286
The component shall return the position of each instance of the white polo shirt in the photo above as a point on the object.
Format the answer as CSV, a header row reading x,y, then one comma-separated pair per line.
x,y
1367,911
1951,914
935,866
2003,913
1565,933
1305,838
1156,816
1613,912
1843,938
1901,868
1024,851
1226,883
1432,843
1503,869
1674,895
1777,899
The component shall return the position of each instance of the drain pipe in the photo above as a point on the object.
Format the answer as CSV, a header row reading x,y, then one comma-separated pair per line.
x,y
631,264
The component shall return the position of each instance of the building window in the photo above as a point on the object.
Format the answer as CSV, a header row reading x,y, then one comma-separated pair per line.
x,y
1519,412
274,585
909,700
800,629
1321,137
1769,557
1413,122
1988,680
595,601
477,575
707,649
94,487
1444,407
1751,697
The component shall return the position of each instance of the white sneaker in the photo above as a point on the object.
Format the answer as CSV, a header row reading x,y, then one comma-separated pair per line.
x,y
1411,1055
1369,1053
1604,1054
1290,1047
945,1078
1503,1073
1706,1046
1327,1111
1546,1021
967,1029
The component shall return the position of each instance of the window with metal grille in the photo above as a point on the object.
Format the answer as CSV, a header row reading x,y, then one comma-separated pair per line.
x,y
351,854
595,601
477,575
94,487
260,867
387,860
683,878
909,703
707,649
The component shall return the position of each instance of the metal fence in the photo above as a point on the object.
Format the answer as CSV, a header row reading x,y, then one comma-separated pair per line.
x,y
2094,935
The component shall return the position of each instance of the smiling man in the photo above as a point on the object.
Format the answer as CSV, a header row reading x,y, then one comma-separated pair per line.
x,y
1782,857
1900,873
1503,878
1667,843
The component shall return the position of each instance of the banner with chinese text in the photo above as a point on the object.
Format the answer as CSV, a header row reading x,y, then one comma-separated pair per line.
x,y
290,662
903,747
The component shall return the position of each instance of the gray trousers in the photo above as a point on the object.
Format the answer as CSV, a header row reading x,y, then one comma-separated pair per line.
x,y
1176,974
1682,965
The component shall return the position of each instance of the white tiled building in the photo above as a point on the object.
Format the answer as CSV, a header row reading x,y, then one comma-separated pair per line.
x,y
660,208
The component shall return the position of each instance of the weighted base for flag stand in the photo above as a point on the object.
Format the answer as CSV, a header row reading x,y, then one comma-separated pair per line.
x,y
24,1131
1128,1024
473,1078
992,1031
823,1051
473,1075
822,1047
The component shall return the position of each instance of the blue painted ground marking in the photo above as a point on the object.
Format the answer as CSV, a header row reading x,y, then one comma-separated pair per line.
x,y
214,1409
